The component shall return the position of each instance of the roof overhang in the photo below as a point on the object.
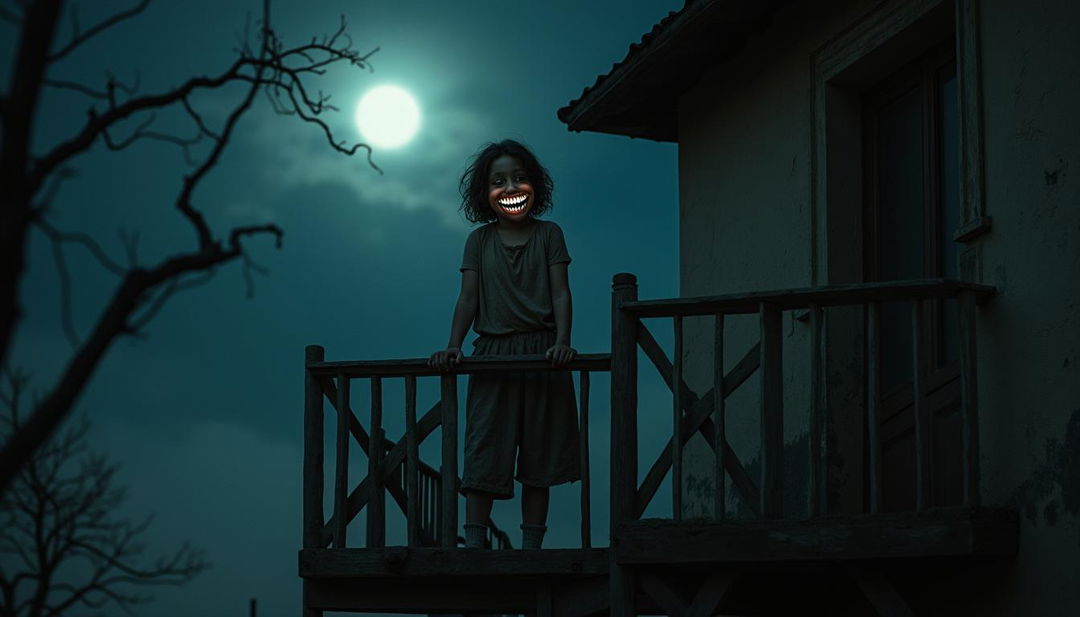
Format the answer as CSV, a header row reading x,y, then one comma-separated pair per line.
x,y
639,97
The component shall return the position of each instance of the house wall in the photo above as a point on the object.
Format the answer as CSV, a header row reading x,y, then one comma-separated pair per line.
x,y
745,224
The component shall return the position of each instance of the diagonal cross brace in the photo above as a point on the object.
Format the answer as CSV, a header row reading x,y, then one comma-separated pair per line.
x,y
698,412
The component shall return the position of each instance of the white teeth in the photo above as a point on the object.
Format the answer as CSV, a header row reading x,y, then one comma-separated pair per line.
x,y
510,201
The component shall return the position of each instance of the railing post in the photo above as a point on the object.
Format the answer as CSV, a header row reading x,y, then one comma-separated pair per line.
x,y
586,491
969,393
918,409
376,518
772,413
314,518
341,471
819,421
719,437
624,328
677,415
412,465
448,512
873,398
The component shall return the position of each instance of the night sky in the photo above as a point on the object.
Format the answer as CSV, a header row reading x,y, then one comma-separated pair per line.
x,y
205,413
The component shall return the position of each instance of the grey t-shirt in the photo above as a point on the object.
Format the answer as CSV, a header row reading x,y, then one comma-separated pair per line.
x,y
515,290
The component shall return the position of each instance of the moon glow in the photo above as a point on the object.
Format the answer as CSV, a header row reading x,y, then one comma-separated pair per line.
x,y
387,116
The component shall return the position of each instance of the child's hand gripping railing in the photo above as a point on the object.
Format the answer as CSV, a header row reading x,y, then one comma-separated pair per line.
x,y
426,496
706,414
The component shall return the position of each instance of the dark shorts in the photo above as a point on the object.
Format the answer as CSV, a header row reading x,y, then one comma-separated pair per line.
x,y
530,416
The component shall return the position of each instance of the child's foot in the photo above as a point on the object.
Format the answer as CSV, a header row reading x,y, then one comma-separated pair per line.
x,y
475,535
532,536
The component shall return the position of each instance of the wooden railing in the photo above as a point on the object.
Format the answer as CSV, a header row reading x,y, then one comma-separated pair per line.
x,y
427,497
707,414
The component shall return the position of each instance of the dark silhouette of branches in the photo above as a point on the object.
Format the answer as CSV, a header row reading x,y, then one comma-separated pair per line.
x,y
62,546
29,180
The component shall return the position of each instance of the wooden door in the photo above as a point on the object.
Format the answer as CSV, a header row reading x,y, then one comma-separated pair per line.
x,y
911,187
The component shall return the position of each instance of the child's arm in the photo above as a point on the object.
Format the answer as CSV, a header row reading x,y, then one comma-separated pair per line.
x,y
464,314
562,304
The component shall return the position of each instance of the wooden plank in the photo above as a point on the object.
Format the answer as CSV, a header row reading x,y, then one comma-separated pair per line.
x,y
584,597
586,491
314,519
376,517
826,295
341,470
667,598
429,596
400,561
623,450
468,365
932,534
412,465
918,409
698,420
772,412
448,500
709,596
873,399
969,398
818,434
358,498
969,93
719,436
677,412
881,594
357,430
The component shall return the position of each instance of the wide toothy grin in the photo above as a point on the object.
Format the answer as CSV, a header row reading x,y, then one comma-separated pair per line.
x,y
514,204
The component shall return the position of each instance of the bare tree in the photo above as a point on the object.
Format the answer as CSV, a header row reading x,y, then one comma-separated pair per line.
x,y
62,546
28,180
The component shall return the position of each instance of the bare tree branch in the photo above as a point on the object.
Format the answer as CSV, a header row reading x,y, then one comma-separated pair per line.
x,y
278,71
78,38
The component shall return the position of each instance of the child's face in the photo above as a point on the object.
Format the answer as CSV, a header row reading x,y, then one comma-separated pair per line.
x,y
510,193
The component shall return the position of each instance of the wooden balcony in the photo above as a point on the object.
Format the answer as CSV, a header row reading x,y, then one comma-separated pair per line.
x,y
845,562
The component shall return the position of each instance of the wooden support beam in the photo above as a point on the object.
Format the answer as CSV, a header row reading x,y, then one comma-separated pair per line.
x,y
449,511
469,365
873,400
677,411
772,413
376,517
827,295
586,492
932,534
719,419
918,408
341,470
665,597
544,601
406,562
624,327
881,594
969,398
412,465
313,479
709,596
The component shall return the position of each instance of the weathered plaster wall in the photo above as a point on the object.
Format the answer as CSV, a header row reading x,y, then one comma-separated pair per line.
x,y
744,224
744,168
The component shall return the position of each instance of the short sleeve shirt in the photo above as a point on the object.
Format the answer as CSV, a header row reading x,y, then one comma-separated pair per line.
x,y
514,286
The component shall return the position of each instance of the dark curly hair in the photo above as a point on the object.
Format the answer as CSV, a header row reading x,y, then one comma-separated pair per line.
x,y
474,182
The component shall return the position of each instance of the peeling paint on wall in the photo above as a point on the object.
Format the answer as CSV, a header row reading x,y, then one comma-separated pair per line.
x,y
1059,471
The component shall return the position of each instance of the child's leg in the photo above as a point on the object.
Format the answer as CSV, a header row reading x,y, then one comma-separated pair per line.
x,y
477,507
477,512
534,504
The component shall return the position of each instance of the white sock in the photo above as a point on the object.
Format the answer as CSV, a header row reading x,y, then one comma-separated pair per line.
x,y
475,535
532,536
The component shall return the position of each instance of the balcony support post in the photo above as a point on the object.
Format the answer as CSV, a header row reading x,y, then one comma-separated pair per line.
x,y
624,328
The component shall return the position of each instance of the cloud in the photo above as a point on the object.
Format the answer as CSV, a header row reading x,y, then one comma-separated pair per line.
x,y
422,175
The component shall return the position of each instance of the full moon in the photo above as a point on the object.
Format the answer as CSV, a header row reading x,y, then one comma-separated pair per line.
x,y
387,116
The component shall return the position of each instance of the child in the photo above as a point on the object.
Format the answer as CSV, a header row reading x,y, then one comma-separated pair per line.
x,y
514,284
